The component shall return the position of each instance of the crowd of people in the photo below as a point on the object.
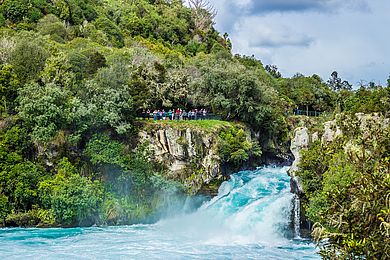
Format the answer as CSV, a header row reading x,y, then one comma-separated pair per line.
x,y
172,114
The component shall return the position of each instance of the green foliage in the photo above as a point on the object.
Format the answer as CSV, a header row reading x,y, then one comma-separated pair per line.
x,y
74,11
314,165
111,30
51,25
73,199
25,219
171,23
337,83
308,93
133,182
15,10
9,85
347,190
114,104
96,60
234,146
28,57
19,182
58,70
235,92
102,150
133,170
4,208
369,100
2,20
43,109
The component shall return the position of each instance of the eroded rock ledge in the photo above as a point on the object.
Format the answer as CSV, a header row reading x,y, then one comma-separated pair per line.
x,y
189,153
326,133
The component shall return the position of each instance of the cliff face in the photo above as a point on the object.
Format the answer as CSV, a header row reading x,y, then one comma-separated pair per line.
x,y
303,137
190,154
300,141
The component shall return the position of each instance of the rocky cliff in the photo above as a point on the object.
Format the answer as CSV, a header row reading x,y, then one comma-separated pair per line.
x,y
300,141
327,132
189,152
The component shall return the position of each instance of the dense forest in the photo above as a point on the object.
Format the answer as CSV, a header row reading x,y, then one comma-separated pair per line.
x,y
74,74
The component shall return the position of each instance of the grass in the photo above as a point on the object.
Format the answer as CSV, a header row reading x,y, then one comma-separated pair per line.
x,y
206,125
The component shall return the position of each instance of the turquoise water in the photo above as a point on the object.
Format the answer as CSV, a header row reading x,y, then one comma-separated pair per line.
x,y
249,219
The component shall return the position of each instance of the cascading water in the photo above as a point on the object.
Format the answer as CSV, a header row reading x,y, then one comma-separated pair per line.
x,y
249,219
297,216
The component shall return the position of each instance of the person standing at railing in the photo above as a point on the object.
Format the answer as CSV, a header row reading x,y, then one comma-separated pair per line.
x,y
155,115
184,115
164,114
148,114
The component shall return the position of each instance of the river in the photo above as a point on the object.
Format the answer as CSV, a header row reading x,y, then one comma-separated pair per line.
x,y
249,219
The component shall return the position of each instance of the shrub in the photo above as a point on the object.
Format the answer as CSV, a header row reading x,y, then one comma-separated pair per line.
x,y
73,199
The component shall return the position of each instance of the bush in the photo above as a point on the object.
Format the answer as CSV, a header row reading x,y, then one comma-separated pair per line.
x,y
234,147
43,110
111,30
73,199
51,25
28,57
15,10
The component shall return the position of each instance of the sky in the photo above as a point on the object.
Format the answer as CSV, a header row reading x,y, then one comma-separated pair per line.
x,y
312,36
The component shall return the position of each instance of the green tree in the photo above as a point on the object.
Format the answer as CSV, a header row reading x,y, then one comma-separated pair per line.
x,y
75,11
237,93
19,181
337,83
74,200
51,25
203,14
15,10
114,104
4,208
234,146
28,57
273,71
112,31
43,110
58,70
9,85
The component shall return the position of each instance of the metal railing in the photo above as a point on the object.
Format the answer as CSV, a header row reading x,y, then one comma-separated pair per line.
x,y
299,112
208,116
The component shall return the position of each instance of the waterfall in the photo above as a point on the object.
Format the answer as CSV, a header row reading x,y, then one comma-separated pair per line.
x,y
252,207
251,218
297,216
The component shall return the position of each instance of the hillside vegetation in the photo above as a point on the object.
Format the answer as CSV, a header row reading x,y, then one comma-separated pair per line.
x,y
75,73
